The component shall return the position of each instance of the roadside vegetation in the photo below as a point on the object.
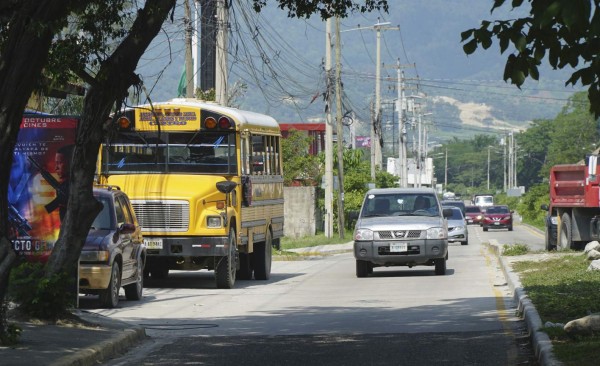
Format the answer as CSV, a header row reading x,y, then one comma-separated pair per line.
x,y
312,241
562,289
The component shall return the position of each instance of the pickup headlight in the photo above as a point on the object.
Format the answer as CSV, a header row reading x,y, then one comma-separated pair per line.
x,y
437,233
94,256
363,234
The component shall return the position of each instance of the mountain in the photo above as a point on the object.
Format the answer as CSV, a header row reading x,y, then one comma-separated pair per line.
x,y
279,62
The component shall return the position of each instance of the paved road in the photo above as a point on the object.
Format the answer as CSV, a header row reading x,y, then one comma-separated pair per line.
x,y
318,312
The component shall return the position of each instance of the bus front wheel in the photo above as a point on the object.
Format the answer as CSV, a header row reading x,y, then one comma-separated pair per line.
x,y
225,268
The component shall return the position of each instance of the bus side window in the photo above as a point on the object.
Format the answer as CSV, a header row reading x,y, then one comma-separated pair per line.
x,y
258,158
245,156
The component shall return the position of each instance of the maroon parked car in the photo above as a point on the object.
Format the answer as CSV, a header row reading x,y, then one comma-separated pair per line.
x,y
473,215
497,217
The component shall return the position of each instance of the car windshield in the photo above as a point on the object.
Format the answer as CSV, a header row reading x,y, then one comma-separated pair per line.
x,y
484,199
102,221
497,210
400,204
473,209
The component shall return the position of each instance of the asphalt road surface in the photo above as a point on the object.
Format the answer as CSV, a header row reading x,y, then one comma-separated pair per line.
x,y
316,312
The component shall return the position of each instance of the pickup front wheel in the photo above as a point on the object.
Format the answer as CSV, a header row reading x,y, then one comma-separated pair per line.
x,y
440,266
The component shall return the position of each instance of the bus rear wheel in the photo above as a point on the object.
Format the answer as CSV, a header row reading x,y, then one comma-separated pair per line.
x,y
225,269
262,257
245,271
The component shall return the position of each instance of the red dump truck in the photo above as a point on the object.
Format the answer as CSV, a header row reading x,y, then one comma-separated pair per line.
x,y
573,217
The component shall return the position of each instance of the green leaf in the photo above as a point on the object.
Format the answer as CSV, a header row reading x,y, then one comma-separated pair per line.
x,y
521,43
497,4
504,42
534,72
466,34
470,46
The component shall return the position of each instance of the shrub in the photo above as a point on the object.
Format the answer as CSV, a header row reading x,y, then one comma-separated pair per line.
x,y
40,296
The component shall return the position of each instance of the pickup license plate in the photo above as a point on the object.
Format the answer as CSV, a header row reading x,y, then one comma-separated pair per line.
x,y
398,247
153,243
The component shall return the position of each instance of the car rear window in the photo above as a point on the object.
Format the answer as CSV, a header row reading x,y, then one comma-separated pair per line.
x,y
497,210
456,214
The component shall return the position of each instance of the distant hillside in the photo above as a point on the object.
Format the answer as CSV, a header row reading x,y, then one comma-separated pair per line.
x,y
280,61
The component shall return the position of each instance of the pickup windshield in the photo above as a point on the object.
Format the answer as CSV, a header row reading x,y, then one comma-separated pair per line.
x,y
400,204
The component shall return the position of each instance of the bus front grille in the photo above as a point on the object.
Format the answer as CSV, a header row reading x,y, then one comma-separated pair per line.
x,y
162,216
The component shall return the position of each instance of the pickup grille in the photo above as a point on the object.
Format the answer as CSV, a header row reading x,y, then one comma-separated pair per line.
x,y
399,234
162,215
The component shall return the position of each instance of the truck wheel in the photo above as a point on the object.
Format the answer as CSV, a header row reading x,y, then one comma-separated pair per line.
x,y
262,258
548,240
440,266
565,238
133,292
362,268
109,297
226,267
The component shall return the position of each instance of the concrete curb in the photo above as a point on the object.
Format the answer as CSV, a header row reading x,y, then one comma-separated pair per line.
x,y
542,345
94,355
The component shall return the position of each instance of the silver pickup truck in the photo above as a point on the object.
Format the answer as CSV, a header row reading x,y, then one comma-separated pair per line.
x,y
401,227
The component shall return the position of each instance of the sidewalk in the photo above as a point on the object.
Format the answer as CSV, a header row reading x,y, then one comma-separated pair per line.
x,y
65,345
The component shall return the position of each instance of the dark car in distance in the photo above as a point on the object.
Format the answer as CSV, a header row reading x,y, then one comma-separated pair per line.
x,y
474,215
497,217
113,254
455,203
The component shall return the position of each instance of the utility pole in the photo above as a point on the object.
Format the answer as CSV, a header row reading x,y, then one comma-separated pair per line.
x,y
340,127
488,169
510,160
189,62
401,130
504,164
446,172
376,129
377,122
221,54
328,136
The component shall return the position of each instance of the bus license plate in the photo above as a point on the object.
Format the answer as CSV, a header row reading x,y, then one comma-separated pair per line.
x,y
398,247
153,243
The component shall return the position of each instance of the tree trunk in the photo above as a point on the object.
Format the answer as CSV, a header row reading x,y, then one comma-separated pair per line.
x,y
110,86
22,57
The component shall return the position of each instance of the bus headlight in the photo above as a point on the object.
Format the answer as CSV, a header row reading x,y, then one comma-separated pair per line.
x,y
213,221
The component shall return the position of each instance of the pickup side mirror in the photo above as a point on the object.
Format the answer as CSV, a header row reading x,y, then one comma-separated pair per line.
x,y
447,212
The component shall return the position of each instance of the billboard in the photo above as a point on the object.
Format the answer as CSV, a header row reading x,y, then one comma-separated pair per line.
x,y
38,185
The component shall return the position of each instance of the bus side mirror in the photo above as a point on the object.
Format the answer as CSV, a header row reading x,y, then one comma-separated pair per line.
x,y
226,186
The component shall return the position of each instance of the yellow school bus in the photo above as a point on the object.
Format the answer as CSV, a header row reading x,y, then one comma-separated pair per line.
x,y
206,184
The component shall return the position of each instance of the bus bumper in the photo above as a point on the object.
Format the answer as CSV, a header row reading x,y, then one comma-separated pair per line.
x,y
214,246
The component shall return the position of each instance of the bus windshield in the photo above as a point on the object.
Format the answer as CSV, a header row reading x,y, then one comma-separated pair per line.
x,y
171,152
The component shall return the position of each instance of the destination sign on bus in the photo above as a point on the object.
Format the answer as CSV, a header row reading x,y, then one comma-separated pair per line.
x,y
168,117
